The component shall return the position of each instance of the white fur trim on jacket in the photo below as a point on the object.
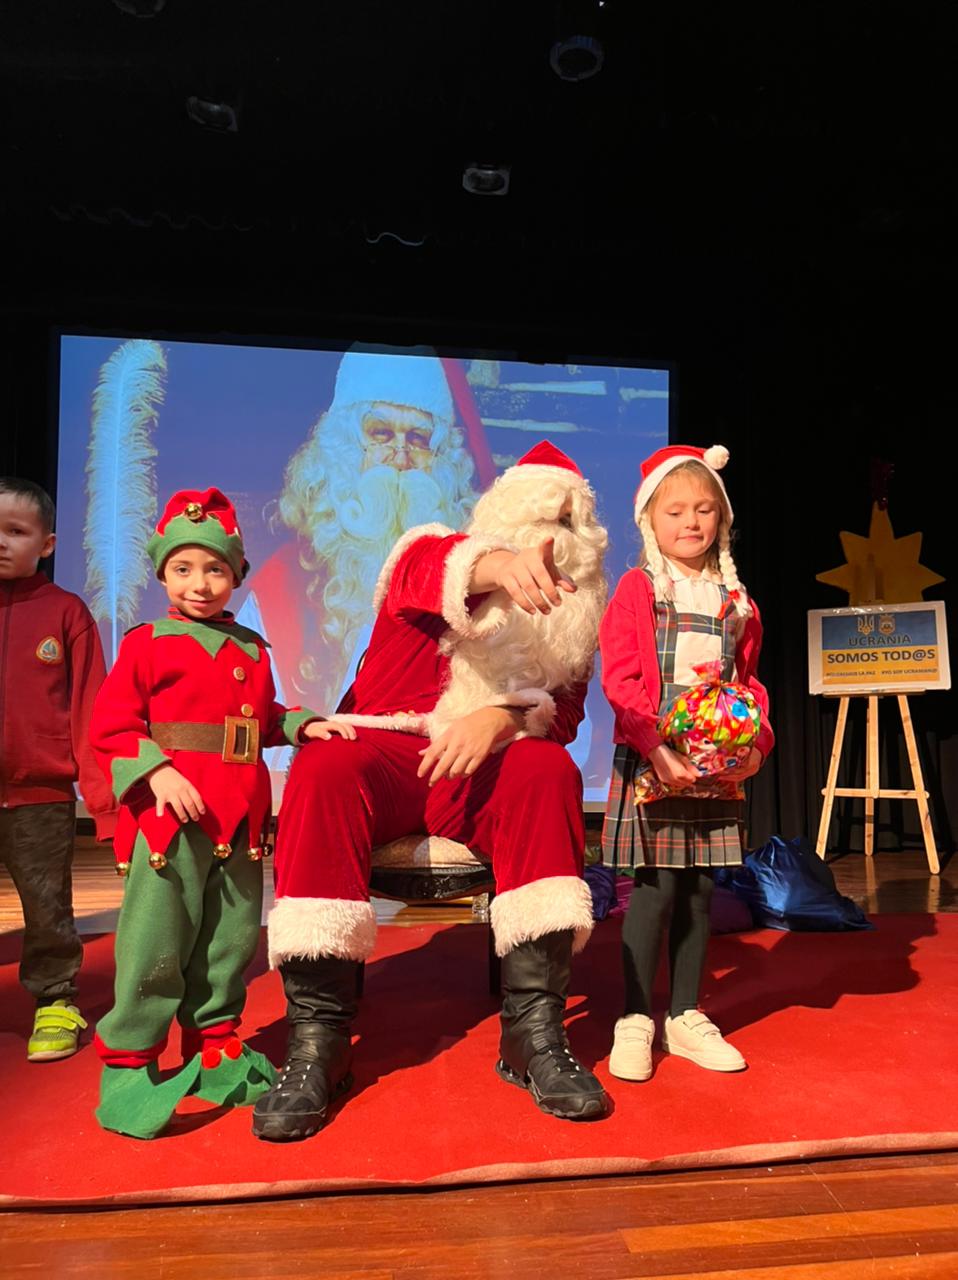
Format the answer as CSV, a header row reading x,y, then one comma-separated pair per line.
x,y
490,615
549,905
539,706
401,721
314,927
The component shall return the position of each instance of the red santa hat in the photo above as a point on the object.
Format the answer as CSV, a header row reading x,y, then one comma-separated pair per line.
x,y
655,468
545,462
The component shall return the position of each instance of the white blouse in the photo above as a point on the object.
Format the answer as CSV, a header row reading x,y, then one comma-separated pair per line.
x,y
695,593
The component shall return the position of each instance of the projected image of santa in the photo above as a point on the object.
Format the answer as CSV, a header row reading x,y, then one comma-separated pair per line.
x,y
388,454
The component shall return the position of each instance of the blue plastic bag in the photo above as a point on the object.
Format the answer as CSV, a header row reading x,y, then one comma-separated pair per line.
x,y
602,882
787,886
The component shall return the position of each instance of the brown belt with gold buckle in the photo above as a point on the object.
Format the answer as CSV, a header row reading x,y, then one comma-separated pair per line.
x,y
236,740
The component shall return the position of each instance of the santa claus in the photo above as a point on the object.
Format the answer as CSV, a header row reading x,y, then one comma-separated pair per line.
x,y
474,682
385,456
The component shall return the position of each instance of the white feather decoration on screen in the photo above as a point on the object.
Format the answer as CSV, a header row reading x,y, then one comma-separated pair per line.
x,y
121,485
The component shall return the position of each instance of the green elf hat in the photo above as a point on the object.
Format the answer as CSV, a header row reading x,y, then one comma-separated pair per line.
x,y
195,518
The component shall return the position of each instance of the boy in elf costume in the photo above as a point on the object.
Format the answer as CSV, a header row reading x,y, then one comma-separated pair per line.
x,y
178,727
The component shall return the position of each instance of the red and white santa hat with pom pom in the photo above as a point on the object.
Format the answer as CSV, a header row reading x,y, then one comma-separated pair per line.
x,y
545,462
657,467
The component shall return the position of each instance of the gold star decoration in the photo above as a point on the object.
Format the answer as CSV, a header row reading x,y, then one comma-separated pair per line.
x,y
881,569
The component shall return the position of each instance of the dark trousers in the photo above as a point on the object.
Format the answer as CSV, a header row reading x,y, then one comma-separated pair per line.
x,y
36,843
676,899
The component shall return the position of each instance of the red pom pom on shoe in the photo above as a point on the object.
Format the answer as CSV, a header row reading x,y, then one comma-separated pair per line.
x,y
211,1058
233,1048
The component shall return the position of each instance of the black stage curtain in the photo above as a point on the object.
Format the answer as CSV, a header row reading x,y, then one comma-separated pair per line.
x,y
816,412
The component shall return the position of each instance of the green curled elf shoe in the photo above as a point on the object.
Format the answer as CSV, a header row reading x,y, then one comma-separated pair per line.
x,y
234,1075
56,1032
138,1102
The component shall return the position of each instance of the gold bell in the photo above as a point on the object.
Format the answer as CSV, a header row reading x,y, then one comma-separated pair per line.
x,y
157,861
222,851
122,868
193,511
255,853
267,849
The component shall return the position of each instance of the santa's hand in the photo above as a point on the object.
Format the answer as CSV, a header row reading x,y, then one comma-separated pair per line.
x,y
460,751
532,579
171,788
326,728
673,769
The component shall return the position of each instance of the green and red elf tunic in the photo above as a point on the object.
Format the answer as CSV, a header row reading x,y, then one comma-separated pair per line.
x,y
178,671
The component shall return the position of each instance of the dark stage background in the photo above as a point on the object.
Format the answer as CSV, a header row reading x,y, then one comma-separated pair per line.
x,y
768,204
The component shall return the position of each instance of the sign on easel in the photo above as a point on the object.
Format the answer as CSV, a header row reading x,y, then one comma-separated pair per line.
x,y
868,652
868,649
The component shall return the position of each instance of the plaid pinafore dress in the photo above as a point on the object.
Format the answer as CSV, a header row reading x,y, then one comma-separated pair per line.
x,y
680,831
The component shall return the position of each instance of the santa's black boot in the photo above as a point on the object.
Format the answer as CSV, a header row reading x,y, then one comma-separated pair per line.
x,y
534,1052
320,1006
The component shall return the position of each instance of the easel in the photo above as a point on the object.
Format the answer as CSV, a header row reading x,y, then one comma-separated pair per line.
x,y
873,790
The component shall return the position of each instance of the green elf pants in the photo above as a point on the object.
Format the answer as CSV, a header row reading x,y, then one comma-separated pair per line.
x,y
185,936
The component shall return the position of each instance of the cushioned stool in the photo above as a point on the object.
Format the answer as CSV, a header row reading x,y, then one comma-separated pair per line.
x,y
421,868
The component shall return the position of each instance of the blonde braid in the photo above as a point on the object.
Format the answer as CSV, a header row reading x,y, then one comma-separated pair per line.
x,y
660,578
737,592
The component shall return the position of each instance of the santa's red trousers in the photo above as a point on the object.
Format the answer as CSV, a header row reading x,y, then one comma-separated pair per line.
x,y
521,810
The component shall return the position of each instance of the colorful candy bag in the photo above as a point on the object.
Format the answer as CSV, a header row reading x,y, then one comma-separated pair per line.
x,y
712,722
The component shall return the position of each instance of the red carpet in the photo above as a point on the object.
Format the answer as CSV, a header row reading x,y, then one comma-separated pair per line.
x,y
850,1037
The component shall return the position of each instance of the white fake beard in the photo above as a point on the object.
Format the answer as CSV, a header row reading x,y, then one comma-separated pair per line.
x,y
534,651
550,650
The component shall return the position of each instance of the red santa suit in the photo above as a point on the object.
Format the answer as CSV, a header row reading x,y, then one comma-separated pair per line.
x,y
437,654
522,809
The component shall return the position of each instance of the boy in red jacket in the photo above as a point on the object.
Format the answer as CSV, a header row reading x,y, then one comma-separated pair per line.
x,y
51,667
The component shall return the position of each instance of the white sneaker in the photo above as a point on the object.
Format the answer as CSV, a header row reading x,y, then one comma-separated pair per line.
x,y
631,1057
692,1035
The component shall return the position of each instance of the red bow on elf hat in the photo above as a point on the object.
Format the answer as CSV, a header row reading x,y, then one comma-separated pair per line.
x,y
546,459
655,468
199,518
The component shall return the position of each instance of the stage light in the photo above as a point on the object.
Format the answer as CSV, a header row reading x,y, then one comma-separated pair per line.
x,y
577,57
578,50
141,8
486,179
218,116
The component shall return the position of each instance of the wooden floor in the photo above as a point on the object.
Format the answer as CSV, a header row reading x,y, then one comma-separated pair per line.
x,y
889,1216
838,1220
887,882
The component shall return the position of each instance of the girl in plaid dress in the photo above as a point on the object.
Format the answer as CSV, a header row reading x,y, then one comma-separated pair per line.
x,y
683,606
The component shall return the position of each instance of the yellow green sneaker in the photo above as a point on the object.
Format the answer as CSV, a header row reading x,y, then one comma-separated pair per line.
x,y
56,1032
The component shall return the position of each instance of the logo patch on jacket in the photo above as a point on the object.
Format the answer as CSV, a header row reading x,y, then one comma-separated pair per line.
x,y
50,651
